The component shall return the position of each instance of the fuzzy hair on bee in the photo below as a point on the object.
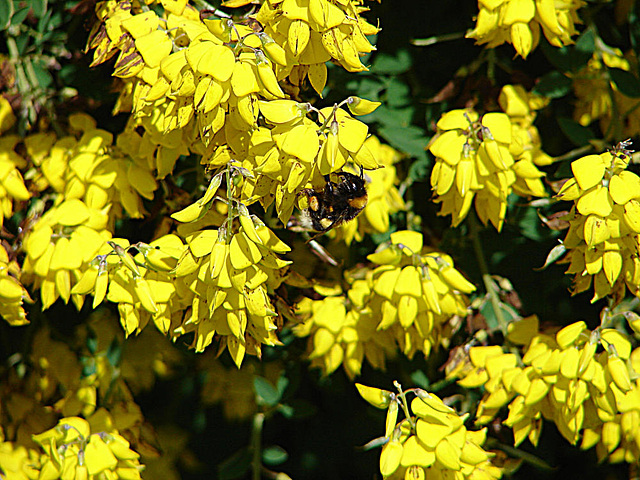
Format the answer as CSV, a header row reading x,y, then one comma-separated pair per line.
x,y
336,203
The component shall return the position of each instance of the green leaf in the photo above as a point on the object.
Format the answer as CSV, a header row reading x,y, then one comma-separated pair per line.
x,y
398,94
565,59
419,170
387,64
555,254
282,384
553,85
391,116
578,134
19,16
490,316
42,75
274,455
265,391
6,12
39,7
530,225
409,139
626,82
586,43
420,379
236,466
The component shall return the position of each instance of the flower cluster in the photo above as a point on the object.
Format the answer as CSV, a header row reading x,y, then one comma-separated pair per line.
x,y
584,381
60,247
518,22
604,222
297,152
88,166
431,441
208,84
314,34
72,451
403,302
599,97
229,274
482,160
17,461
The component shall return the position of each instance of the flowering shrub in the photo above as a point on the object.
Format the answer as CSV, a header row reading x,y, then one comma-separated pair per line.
x,y
216,217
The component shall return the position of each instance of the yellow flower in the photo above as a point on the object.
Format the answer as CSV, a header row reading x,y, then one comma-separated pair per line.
x,y
18,462
73,451
342,330
12,187
60,247
598,96
434,440
12,293
519,21
580,380
483,160
404,301
602,241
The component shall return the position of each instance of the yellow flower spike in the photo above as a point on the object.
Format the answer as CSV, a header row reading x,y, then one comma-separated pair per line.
x,y
409,282
431,434
567,336
499,127
302,142
268,77
456,280
270,240
619,372
570,190
390,457
375,396
612,265
360,106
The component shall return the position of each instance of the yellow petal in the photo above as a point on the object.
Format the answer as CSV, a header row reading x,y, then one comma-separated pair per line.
x,y
588,171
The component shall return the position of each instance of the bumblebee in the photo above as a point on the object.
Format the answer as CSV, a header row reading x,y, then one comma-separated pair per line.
x,y
336,203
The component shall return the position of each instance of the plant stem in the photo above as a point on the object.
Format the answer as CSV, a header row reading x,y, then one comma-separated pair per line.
x,y
256,446
489,283
574,153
